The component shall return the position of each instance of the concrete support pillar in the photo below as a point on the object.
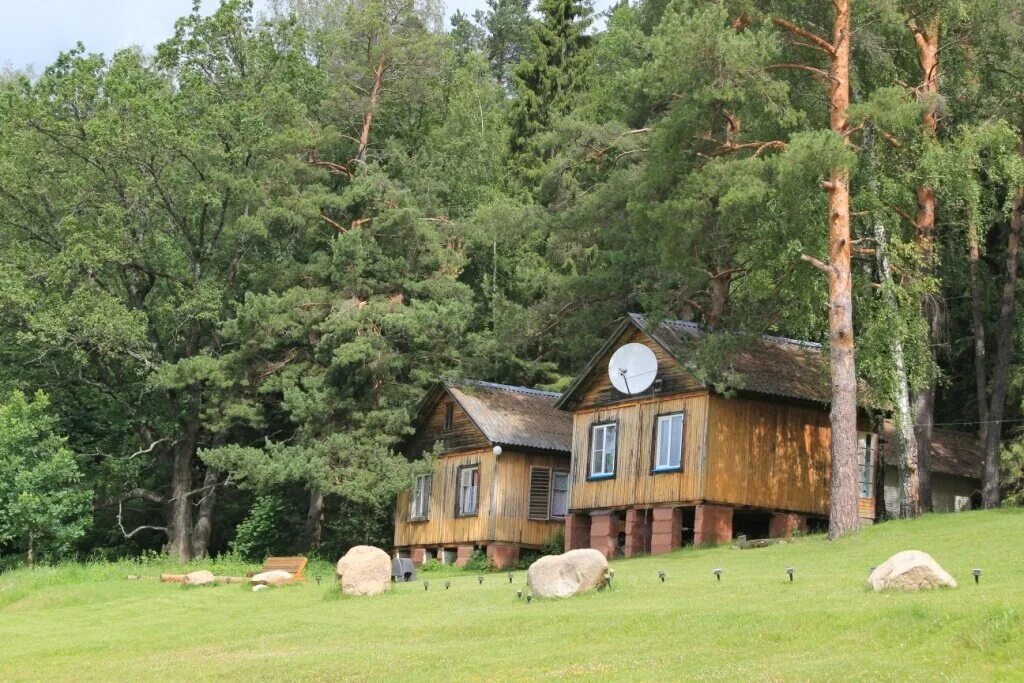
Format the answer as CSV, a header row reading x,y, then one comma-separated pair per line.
x,y
785,524
604,532
666,530
462,557
502,555
417,555
712,524
638,532
577,532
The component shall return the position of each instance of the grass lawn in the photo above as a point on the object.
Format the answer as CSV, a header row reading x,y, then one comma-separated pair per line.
x,y
87,622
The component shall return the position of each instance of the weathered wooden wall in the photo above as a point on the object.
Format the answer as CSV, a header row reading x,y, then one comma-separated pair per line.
x,y
768,454
502,504
598,391
463,434
634,484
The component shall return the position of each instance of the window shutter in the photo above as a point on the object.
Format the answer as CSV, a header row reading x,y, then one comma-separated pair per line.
x,y
540,493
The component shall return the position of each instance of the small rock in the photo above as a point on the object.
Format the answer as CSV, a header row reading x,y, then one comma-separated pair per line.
x,y
572,573
910,570
260,587
200,578
276,577
132,577
364,570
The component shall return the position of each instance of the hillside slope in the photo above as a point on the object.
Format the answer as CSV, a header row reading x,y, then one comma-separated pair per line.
x,y
88,623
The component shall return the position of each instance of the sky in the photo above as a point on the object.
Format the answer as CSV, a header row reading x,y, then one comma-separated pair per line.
x,y
34,32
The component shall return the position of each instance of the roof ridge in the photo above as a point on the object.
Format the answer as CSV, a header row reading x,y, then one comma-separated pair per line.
x,y
509,387
700,328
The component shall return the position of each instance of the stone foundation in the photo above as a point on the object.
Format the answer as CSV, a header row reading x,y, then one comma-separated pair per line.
x,y
666,530
785,524
638,532
417,555
604,532
712,524
502,555
577,532
462,557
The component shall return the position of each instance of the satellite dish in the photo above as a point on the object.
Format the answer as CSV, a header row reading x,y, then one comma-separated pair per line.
x,y
632,368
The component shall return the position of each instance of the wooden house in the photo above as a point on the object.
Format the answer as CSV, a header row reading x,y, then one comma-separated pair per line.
x,y
500,479
662,457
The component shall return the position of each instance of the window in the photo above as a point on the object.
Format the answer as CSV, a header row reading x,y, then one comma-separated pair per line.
x,y
549,494
449,417
602,450
668,443
867,448
560,494
469,490
419,504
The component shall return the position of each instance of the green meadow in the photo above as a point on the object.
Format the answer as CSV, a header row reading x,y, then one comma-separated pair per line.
x,y
87,622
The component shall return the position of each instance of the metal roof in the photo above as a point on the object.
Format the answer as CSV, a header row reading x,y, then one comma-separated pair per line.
x,y
514,416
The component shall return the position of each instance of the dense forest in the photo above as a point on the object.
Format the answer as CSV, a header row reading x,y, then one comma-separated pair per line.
x,y
229,269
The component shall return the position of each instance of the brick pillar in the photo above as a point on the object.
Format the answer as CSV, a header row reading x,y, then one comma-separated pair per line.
x,y
502,555
638,532
604,532
785,524
577,531
417,555
712,524
462,557
666,530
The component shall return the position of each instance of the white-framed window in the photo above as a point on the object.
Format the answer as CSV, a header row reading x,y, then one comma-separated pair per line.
x,y
469,490
668,444
867,451
602,450
419,503
560,494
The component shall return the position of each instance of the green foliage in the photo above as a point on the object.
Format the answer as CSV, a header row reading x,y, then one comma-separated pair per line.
x,y
555,544
478,562
1012,473
433,566
44,507
268,530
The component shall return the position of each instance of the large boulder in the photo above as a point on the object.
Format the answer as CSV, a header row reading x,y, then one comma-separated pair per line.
x,y
275,577
572,573
910,570
364,570
200,578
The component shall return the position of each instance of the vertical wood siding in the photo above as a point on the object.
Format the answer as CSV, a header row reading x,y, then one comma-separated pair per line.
x,y
634,484
598,389
502,506
463,434
768,454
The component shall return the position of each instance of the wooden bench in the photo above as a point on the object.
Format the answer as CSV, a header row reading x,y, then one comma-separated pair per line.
x,y
293,565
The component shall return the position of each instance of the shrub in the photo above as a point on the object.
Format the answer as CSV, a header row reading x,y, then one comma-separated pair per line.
x,y
432,566
555,545
478,562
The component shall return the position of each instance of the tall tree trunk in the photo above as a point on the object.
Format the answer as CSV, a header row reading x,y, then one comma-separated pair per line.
x,y
843,508
204,519
906,443
843,503
1004,350
30,555
314,521
179,524
927,41
978,330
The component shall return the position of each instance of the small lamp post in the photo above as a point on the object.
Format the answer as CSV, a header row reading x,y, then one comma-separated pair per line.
x,y
528,599
426,585
977,574
661,575
519,594
717,571
318,579
791,571
510,577
480,580
447,585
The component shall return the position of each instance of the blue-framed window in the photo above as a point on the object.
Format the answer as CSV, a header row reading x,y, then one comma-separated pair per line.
x,y
603,439
668,442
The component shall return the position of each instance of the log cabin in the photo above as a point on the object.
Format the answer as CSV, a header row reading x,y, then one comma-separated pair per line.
x,y
664,455
500,476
